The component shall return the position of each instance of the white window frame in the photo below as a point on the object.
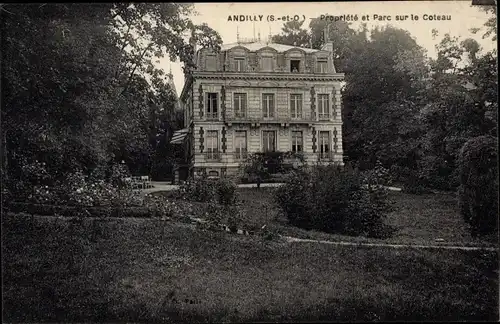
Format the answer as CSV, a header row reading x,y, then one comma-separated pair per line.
x,y
319,65
322,115
293,142
293,105
245,102
239,64
240,153
322,153
275,140
265,109
211,115
212,148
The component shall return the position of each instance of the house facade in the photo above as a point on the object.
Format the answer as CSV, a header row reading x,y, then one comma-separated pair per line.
x,y
257,96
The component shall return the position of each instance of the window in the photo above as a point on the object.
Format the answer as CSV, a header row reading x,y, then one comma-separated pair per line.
x,y
211,62
297,142
212,106
296,105
294,65
322,66
268,105
240,104
267,63
240,144
239,64
323,108
324,144
212,145
268,141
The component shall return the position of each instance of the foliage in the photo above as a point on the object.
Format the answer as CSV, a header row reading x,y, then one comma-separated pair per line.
x,y
81,89
377,176
267,164
409,111
293,34
75,189
203,189
159,206
226,191
330,199
478,191
198,189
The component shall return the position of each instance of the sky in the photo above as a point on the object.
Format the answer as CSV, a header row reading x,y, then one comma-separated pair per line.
x,y
463,17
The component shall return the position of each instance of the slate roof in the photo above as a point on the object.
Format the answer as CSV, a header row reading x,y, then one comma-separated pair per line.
x,y
255,46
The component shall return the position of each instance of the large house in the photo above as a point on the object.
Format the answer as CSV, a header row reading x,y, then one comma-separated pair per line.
x,y
255,96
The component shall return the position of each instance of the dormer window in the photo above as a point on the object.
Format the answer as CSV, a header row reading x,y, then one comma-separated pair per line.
x,y
239,64
322,65
267,63
295,66
210,62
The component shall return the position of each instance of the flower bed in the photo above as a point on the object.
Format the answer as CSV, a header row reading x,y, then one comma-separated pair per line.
x,y
58,210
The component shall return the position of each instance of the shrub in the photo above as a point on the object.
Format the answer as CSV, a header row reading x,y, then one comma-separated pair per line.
x,y
198,189
78,189
222,191
478,191
378,175
226,191
330,199
159,206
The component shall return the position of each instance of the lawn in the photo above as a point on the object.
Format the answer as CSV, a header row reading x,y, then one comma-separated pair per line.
x,y
145,270
418,219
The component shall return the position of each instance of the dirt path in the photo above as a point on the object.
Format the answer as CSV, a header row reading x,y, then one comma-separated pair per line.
x,y
292,240
415,246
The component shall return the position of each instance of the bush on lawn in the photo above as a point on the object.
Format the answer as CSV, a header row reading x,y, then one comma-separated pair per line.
x,y
379,175
478,191
336,200
226,191
159,206
203,189
74,189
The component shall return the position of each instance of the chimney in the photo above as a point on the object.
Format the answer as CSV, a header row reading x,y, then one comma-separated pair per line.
x,y
327,43
328,47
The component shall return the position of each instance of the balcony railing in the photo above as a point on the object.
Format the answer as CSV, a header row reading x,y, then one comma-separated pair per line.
x,y
212,156
324,116
240,115
325,156
239,156
212,116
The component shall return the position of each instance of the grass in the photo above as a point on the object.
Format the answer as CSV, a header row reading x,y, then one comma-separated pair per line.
x,y
417,219
144,270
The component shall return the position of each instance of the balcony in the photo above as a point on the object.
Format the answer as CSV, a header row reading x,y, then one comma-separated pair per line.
x,y
212,116
324,116
214,156
245,119
240,156
325,156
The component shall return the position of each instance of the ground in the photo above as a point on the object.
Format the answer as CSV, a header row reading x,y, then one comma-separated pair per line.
x,y
146,270
417,219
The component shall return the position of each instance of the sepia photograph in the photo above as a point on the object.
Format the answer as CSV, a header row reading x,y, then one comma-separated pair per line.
x,y
267,162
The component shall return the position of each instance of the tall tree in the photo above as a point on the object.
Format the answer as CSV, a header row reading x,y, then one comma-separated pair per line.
x,y
79,81
293,34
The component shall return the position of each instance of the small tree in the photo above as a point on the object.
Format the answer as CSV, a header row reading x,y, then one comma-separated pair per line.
x,y
334,199
254,167
478,191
